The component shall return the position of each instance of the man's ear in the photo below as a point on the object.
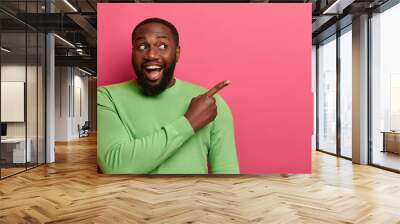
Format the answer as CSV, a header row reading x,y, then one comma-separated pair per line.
x,y
178,53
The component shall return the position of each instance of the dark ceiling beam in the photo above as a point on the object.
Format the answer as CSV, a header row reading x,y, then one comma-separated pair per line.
x,y
84,61
196,1
52,22
64,51
337,7
79,19
15,18
84,24
49,22
331,30
321,23
91,5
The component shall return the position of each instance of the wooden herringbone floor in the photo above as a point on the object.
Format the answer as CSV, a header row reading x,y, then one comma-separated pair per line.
x,y
71,191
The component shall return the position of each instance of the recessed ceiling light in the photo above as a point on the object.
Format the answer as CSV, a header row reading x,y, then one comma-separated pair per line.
x,y
337,7
70,5
64,40
5,50
84,71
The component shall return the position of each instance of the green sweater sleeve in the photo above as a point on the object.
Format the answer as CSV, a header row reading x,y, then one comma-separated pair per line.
x,y
119,152
222,155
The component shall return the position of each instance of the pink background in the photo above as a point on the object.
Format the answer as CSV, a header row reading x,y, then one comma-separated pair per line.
x,y
264,49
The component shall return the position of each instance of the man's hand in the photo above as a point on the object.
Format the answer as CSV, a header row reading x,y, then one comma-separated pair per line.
x,y
202,109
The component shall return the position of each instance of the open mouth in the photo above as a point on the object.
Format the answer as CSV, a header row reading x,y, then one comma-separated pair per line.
x,y
153,72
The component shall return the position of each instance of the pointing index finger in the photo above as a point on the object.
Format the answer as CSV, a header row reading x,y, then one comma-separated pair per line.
x,y
217,88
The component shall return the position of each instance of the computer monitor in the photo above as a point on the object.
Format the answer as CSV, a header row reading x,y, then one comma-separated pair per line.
x,y
3,129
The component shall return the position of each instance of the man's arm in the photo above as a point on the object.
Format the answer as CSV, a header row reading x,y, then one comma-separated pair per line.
x,y
222,155
119,152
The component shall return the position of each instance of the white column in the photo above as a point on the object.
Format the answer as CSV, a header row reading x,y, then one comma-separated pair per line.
x,y
50,92
360,90
50,98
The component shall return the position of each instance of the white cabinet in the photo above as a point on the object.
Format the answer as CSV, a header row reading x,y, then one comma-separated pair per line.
x,y
17,146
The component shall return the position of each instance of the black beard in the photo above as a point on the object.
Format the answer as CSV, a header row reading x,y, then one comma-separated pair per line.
x,y
153,90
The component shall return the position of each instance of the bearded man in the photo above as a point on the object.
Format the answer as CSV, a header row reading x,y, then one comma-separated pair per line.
x,y
158,124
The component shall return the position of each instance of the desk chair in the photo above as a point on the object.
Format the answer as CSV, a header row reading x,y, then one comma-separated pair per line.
x,y
84,130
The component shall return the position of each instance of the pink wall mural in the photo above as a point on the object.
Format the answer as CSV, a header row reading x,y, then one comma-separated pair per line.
x,y
264,49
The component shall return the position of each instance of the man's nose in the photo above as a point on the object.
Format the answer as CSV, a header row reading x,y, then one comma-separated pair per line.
x,y
152,53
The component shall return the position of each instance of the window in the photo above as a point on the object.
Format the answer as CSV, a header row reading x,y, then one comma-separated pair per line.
x,y
385,88
346,74
327,95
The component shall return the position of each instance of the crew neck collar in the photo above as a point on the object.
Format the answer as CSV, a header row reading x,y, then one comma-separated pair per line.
x,y
170,90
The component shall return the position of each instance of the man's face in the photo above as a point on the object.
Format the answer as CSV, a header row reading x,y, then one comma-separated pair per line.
x,y
154,56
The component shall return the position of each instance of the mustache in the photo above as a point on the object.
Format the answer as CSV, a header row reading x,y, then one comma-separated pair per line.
x,y
147,63
152,90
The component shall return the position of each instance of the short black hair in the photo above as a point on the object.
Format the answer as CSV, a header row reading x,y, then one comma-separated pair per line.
x,y
164,22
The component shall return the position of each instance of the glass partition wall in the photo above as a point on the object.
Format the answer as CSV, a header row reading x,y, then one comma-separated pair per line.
x,y
22,77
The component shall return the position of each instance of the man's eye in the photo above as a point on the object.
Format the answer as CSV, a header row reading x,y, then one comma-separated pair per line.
x,y
163,46
142,47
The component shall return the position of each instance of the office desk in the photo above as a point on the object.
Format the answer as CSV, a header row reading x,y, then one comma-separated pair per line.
x,y
391,141
15,148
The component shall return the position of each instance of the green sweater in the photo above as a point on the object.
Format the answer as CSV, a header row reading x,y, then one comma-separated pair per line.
x,y
149,134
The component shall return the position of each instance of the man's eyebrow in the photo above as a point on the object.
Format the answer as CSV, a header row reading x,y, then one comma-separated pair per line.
x,y
162,36
138,38
159,36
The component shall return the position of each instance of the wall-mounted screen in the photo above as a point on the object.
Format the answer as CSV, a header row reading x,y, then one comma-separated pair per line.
x,y
12,101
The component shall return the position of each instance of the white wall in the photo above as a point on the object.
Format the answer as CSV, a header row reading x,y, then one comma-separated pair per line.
x,y
80,102
62,81
71,93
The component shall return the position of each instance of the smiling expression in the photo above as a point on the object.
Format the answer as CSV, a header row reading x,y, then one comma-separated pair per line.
x,y
154,56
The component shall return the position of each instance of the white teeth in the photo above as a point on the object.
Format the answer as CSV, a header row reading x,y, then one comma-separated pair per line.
x,y
153,67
